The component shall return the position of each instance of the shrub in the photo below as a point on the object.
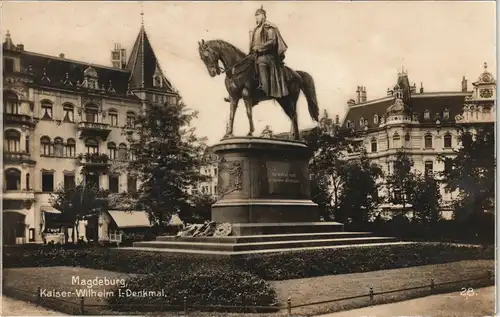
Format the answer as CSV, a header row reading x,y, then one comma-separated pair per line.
x,y
269,266
203,288
293,265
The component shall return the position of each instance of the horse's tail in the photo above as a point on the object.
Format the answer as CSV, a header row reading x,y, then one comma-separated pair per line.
x,y
309,89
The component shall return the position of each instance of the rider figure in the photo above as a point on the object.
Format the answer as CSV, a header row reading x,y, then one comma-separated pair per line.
x,y
269,49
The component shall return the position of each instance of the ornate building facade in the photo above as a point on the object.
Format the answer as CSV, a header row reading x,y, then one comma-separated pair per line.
x,y
422,124
67,121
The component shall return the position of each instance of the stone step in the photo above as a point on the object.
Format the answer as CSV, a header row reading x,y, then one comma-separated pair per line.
x,y
247,229
267,237
234,247
233,253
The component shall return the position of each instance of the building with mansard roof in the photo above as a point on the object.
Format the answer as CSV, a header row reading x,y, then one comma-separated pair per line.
x,y
60,117
423,124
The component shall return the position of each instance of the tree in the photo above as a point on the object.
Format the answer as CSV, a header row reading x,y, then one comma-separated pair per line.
x,y
199,210
471,172
329,144
359,197
168,158
401,182
76,204
426,199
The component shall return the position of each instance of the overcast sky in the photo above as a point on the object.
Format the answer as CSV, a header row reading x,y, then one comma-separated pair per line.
x,y
341,44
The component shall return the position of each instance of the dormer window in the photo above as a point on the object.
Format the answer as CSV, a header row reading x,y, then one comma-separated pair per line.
x,y
427,114
157,81
361,122
349,124
375,119
446,114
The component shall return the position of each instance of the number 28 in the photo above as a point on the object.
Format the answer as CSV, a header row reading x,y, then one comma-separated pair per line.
x,y
467,291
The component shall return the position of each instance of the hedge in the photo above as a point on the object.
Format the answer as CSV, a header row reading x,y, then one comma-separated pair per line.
x,y
206,288
293,265
269,266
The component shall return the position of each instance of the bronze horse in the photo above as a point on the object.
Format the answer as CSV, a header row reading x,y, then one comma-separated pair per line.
x,y
241,83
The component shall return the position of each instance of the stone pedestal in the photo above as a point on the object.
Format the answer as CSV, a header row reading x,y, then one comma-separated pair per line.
x,y
263,181
264,192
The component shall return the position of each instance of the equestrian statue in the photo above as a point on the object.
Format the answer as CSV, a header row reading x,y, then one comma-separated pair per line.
x,y
260,75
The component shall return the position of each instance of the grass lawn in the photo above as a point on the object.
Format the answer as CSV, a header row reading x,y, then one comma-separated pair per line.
x,y
301,290
324,288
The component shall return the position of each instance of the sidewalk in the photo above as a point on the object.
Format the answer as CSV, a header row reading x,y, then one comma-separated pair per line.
x,y
443,305
13,307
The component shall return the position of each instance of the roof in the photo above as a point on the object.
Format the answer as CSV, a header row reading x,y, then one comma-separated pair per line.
x,y
63,73
435,103
130,219
143,65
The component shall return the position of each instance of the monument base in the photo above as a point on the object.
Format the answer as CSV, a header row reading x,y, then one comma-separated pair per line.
x,y
264,193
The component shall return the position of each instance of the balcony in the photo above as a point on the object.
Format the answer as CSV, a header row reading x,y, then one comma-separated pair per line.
x,y
17,158
94,129
18,119
94,161
18,195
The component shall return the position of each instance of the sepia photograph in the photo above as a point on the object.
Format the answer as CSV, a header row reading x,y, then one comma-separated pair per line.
x,y
249,159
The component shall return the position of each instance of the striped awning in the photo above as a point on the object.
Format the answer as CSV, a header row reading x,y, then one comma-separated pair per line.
x,y
50,210
130,219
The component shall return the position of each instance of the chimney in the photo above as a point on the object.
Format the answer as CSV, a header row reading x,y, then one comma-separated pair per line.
x,y
20,47
464,84
363,94
118,56
421,87
61,55
358,94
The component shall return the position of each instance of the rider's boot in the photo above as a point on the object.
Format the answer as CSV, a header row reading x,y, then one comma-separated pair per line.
x,y
264,78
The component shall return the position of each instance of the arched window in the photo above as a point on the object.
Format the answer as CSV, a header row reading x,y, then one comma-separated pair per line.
x,y
113,117
58,147
374,145
112,150
429,167
46,110
28,186
131,119
428,141
12,141
71,148
45,146
122,152
11,102
91,112
13,179
396,140
427,114
69,115
375,119
446,114
92,146
27,143
361,122
133,153
447,141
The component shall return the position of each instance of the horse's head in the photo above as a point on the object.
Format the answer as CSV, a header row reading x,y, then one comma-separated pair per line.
x,y
210,57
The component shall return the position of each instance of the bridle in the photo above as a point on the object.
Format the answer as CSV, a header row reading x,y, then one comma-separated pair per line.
x,y
214,56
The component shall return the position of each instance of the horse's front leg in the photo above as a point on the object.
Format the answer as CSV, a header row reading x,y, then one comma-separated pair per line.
x,y
248,105
232,111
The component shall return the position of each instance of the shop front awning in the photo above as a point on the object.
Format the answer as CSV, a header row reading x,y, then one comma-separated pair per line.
x,y
130,219
53,220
